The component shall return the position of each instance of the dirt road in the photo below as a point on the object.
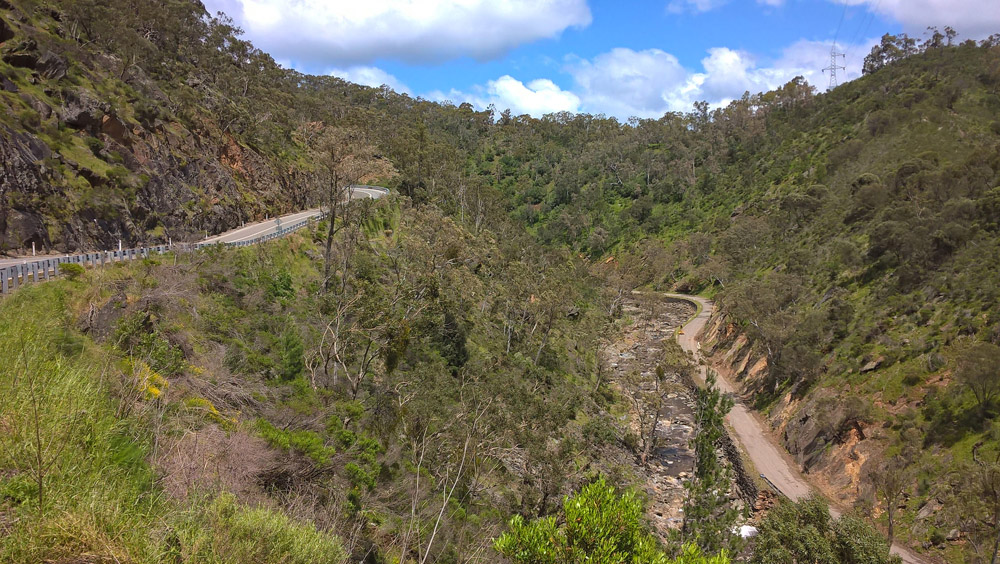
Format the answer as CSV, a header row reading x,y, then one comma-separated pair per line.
x,y
768,457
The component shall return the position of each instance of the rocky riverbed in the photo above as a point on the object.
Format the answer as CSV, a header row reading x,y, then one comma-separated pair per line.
x,y
650,321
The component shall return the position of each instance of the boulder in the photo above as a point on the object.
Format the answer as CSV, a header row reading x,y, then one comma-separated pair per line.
x,y
23,59
7,85
52,66
43,109
82,112
873,365
20,180
928,509
6,32
954,535
115,129
24,54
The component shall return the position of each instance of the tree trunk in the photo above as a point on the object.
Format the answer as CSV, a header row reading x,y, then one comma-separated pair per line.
x,y
890,513
329,235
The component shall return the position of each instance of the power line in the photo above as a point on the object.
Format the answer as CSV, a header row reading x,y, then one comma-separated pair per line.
x,y
866,22
840,23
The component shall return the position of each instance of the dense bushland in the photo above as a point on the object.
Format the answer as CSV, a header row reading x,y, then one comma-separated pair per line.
x,y
850,236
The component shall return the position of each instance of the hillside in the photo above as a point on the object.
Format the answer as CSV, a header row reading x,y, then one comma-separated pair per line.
x,y
851,241
398,384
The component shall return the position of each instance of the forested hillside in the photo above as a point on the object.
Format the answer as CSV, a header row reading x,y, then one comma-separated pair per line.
x,y
399,394
851,240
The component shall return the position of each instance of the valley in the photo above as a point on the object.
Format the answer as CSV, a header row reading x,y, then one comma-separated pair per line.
x,y
395,329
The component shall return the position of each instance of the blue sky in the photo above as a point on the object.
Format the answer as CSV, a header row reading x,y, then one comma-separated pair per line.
x,y
621,58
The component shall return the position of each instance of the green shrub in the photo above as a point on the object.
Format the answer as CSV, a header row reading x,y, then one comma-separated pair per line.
x,y
292,355
599,525
308,443
95,145
226,531
72,271
804,531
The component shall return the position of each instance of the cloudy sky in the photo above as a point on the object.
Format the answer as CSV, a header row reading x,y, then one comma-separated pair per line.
x,y
618,57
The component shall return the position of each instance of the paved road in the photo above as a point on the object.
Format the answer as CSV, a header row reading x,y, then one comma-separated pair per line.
x,y
760,445
250,231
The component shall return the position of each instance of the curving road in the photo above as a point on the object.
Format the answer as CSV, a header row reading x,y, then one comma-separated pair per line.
x,y
770,459
250,231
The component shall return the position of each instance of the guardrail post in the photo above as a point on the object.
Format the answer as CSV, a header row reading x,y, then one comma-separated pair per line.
x,y
3,281
34,272
16,278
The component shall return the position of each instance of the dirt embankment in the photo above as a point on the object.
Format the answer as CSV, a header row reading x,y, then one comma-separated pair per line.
x,y
822,435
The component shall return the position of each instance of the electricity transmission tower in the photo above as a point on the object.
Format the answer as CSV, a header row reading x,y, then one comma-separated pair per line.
x,y
832,69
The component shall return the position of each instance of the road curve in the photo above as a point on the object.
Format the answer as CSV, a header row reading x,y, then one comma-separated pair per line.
x,y
269,226
246,232
768,457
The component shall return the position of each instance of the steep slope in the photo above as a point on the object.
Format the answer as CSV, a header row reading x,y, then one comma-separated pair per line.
x,y
850,239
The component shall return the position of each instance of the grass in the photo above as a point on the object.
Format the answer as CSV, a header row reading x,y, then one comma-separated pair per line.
x,y
99,495
237,533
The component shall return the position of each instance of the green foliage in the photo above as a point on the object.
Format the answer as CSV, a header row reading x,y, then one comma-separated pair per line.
x,y
804,531
309,443
95,145
137,335
226,531
979,370
708,519
98,489
72,271
292,355
598,525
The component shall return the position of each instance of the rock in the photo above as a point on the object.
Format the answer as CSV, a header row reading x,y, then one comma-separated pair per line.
x,y
7,85
6,32
954,535
24,54
43,109
115,129
23,59
928,509
83,113
873,365
52,66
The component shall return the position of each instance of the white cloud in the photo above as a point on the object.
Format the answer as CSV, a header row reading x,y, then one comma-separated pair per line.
x,y
681,6
349,32
970,18
698,6
626,83
370,76
537,98
623,82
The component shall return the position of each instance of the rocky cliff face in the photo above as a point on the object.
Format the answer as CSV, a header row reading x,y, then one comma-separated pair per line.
x,y
92,154
829,438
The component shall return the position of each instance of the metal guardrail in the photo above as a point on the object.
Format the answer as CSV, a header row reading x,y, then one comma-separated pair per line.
x,y
776,489
35,270
32,270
